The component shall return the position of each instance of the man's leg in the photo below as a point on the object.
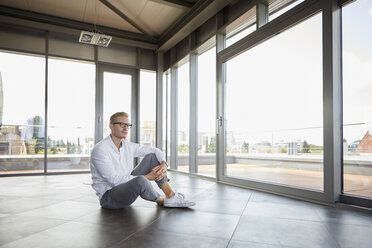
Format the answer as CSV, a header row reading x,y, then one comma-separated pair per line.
x,y
147,164
125,194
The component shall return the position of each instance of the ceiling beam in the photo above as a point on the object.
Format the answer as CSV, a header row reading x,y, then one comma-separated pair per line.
x,y
175,3
201,11
68,23
126,18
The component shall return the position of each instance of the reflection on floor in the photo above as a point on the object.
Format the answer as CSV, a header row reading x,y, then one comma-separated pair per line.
x,y
358,185
63,211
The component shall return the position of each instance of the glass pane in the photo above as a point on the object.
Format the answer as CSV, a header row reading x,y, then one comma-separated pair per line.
x,y
207,113
357,100
117,92
71,100
183,117
279,7
168,116
148,108
164,110
22,106
240,35
241,27
274,109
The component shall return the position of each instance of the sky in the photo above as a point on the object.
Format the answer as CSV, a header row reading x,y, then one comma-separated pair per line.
x,y
357,68
277,85
71,88
271,88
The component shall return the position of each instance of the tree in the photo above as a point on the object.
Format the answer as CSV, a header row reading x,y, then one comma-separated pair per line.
x,y
39,146
305,147
211,148
183,148
245,147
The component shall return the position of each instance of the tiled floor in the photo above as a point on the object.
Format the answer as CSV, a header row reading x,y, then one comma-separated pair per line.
x,y
62,211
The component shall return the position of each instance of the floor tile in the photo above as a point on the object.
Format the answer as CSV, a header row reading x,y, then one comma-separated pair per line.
x,y
66,210
71,234
284,211
226,192
350,236
190,222
16,227
92,198
272,198
285,232
345,216
235,207
18,205
132,218
4,215
63,211
161,239
243,244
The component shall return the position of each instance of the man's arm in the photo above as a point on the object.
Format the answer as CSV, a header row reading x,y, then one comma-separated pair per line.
x,y
100,166
158,172
141,151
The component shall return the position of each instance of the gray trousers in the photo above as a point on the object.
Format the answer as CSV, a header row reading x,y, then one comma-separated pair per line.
x,y
125,194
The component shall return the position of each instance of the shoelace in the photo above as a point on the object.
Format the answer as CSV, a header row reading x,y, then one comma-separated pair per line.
x,y
182,195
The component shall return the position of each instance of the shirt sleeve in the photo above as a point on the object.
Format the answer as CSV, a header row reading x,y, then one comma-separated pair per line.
x,y
141,151
101,169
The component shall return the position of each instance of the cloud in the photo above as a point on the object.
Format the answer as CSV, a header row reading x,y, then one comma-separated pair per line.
x,y
370,11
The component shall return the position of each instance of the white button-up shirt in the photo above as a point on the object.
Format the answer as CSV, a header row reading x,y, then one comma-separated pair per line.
x,y
111,167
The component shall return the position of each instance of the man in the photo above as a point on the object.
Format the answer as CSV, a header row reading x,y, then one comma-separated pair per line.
x,y
115,180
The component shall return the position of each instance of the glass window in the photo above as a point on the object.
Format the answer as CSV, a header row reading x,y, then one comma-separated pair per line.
x,y
117,97
164,110
207,113
274,109
168,116
357,100
279,7
22,108
71,112
148,108
183,117
241,27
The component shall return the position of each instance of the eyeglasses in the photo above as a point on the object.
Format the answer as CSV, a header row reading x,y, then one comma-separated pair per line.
x,y
123,124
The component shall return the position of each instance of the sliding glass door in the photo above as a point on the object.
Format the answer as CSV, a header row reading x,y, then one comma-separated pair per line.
x,y
22,108
71,97
274,110
117,94
357,99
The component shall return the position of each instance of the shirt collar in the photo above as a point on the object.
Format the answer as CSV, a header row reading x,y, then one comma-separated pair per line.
x,y
113,144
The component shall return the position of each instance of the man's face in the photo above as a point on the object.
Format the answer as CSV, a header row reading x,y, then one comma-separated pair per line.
x,y
117,131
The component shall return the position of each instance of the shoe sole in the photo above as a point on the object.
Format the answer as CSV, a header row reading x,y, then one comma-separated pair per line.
x,y
179,206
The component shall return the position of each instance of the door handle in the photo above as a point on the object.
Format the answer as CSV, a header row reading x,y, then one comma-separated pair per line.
x,y
218,124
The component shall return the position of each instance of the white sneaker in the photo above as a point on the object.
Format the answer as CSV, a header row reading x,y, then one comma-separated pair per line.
x,y
177,201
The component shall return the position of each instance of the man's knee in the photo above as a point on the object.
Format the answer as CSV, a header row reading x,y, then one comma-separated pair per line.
x,y
140,179
151,156
142,183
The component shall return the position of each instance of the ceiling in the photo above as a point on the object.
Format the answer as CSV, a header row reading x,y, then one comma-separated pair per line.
x,y
156,20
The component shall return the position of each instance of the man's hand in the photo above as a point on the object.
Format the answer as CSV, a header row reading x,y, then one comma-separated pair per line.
x,y
158,172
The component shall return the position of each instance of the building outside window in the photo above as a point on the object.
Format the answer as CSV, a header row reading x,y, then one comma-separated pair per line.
x,y
22,112
148,108
274,109
207,113
71,95
183,117
357,100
